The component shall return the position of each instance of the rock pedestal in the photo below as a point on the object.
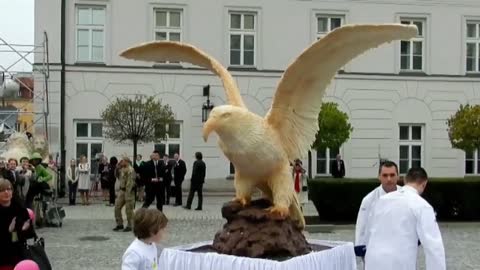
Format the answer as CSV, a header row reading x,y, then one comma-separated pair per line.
x,y
251,232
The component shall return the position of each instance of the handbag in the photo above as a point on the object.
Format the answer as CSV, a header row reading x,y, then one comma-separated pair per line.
x,y
36,252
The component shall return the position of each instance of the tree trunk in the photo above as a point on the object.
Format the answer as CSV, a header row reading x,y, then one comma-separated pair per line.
x,y
309,164
135,142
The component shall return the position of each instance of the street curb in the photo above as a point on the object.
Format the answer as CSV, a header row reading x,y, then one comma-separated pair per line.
x,y
320,228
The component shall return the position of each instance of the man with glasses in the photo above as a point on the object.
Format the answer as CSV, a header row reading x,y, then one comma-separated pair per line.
x,y
388,176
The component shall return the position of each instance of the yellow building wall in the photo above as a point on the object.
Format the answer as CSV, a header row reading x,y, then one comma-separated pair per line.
x,y
25,115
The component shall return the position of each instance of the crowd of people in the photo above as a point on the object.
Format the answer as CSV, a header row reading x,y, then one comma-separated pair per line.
x,y
28,178
392,223
125,182
19,185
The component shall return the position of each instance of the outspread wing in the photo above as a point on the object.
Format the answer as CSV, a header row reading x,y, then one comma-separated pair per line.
x,y
297,101
159,51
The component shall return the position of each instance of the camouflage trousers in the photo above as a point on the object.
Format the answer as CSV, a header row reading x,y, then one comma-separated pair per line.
x,y
127,200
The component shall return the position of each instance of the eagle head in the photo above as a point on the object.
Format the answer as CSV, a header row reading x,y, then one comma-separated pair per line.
x,y
225,120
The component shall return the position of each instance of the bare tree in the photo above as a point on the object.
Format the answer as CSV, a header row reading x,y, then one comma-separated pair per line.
x,y
137,119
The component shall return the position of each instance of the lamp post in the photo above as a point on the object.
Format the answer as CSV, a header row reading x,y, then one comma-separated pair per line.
x,y
207,106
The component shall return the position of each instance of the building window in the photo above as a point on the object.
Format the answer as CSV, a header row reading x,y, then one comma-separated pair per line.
x,y
411,147
89,129
242,38
473,46
90,33
412,52
89,141
173,141
325,157
168,24
327,23
472,162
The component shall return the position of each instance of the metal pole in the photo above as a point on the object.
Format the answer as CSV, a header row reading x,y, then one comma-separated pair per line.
x,y
63,151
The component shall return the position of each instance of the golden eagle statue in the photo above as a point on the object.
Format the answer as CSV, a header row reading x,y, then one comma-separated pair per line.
x,y
289,128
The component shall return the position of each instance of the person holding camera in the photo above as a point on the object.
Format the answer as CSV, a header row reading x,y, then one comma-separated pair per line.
x,y
25,173
15,227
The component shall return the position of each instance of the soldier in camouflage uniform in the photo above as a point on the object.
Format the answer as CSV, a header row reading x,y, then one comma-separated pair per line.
x,y
126,195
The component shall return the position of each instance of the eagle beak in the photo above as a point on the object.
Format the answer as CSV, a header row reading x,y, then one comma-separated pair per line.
x,y
208,127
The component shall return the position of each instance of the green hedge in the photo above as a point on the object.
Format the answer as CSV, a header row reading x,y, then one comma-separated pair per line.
x,y
338,200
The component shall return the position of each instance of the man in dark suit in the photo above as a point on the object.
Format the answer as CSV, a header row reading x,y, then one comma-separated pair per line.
x,y
197,180
167,167
179,171
154,184
337,168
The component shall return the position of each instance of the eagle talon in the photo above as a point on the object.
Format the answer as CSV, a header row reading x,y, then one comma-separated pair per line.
x,y
278,212
243,201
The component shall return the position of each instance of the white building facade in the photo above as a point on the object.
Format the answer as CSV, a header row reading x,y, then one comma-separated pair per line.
x,y
397,97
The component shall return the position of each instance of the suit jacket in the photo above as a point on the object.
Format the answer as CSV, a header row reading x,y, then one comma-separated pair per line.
x,y
150,171
179,170
335,171
112,174
138,169
139,175
167,170
198,172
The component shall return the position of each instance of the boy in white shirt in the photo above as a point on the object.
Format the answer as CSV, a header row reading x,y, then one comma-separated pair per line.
x,y
148,227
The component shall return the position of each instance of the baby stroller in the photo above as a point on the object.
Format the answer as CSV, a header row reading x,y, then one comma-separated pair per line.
x,y
47,212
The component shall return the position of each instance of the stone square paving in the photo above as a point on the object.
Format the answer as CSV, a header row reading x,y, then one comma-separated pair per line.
x,y
67,249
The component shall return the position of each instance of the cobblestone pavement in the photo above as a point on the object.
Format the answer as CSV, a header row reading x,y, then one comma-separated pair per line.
x,y
67,250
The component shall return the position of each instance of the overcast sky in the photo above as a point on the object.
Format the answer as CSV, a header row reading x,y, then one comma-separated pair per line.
x,y
16,27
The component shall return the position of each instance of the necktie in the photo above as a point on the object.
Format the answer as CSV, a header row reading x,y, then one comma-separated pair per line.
x,y
155,169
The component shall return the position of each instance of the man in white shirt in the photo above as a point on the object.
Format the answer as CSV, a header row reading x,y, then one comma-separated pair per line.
x,y
399,220
388,176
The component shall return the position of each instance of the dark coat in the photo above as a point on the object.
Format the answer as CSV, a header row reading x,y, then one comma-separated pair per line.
x,y
198,172
334,169
179,171
10,251
150,171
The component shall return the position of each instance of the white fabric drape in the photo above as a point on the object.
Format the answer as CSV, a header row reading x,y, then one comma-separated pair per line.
x,y
340,257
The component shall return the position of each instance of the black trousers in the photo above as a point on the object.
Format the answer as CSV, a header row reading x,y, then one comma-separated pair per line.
x,y
178,192
168,190
195,187
111,192
35,189
72,192
154,191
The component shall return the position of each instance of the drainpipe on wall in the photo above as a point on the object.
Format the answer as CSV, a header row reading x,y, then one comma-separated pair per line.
x,y
62,95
